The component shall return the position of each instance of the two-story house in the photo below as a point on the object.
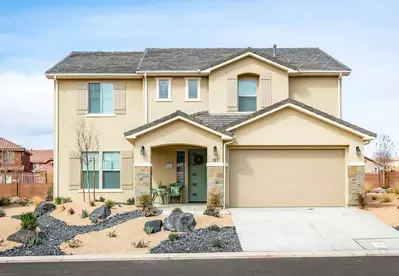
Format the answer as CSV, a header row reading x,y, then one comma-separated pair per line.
x,y
262,127
14,159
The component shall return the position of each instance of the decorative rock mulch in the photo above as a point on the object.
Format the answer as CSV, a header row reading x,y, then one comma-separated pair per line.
x,y
53,232
202,241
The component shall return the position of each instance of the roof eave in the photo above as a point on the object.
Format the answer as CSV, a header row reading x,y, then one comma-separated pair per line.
x,y
91,75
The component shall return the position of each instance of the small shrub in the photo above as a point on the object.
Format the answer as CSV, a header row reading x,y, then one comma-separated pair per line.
x,y
24,201
50,192
29,221
4,201
217,244
150,211
58,200
2,212
214,200
148,230
111,234
84,214
36,200
61,208
130,201
373,197
71,211
211,211
101,199
173,236
145,201
92,203
74,243
35,240
177,210
385,199
396,190
109,203
361,200
66,199
140,244
214,227
1,242
390,191
94,220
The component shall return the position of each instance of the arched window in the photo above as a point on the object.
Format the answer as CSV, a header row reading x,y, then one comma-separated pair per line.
x,y
247,91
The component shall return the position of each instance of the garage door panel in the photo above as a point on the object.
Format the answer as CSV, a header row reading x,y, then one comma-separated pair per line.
x,y
260,178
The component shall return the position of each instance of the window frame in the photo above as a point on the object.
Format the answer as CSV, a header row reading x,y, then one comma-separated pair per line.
x,y
169,98
198,99
112,170
255,96
101,113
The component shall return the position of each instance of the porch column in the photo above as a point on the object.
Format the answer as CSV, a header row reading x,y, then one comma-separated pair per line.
x,y
355,182
142,179
215,180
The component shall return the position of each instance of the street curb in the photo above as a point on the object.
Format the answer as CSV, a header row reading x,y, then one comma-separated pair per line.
x,y
198,256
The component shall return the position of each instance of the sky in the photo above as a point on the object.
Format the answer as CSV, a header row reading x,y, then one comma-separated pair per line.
x,y
34,35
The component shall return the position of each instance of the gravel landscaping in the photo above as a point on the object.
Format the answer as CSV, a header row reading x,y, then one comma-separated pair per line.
x,y
201,241
53,232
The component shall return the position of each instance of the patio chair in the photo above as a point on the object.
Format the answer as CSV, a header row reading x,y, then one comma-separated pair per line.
x,y
175,190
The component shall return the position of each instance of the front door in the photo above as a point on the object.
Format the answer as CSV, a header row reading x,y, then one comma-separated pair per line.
x,y
197,175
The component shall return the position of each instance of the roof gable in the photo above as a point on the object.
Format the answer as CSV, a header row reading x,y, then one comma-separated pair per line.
x,y
11,146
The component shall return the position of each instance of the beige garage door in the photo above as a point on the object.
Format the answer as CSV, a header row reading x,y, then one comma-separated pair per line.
x,y
263,178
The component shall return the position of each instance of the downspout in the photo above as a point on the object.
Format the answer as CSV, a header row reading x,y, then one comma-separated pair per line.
x,y
224,170
340,95
145,99
56,186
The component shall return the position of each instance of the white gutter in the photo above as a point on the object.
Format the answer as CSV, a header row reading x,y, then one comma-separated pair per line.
x,y
224,170
91,74
145,99
340,95
171,72
56,186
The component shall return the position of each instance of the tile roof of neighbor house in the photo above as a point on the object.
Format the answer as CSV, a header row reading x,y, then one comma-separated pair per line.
x,y
221,122
41,156
188,59
11,146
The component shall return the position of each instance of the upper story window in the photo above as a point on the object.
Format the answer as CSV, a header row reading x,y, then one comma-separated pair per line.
x,y
164,89
7,157
193,89
101,98
247,94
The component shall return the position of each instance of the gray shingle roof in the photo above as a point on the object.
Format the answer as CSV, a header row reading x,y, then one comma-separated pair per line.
x,y
98,62
304,106
189,59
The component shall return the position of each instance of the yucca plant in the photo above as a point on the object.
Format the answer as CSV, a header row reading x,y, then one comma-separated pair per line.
x,y
29,221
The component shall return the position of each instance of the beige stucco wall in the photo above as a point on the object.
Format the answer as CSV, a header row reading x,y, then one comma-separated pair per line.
x,y
110,130
248,65
158,109
289,127
318,92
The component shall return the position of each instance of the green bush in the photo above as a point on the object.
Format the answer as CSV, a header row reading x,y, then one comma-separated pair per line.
x,y
92,203
109,203
35,240
173,236
386,199
101,199
58,200
84,214
211,211
214,199
111,234
29,221
130,201
74,243
148,230
4,201
150,211
214,227
141,244
50,192
361,200
144,200
177,210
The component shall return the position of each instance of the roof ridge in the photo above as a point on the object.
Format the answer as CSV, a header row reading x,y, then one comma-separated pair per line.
x,y
142,59
14,144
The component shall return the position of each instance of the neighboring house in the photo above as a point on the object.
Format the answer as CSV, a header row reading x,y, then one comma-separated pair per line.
x,y
42,160
262,127
14,159
372,166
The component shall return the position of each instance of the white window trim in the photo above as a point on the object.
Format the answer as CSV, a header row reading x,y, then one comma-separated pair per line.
x,y
247,96
198,99
169,99
101,114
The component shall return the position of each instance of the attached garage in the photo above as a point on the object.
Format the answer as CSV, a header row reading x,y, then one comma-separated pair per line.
x,y
287,177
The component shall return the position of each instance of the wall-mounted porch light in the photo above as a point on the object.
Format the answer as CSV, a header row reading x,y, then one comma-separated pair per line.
x,y
358,150
142,150
215,150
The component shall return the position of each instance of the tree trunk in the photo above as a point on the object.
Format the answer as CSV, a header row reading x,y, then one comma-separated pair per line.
x,y
94,179
82,183
88,180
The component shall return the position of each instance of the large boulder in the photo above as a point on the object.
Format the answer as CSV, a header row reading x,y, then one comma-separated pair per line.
x,y
101,212
22,236
155,224
179,222
44,207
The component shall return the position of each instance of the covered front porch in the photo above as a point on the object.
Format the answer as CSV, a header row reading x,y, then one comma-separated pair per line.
x,y
178,153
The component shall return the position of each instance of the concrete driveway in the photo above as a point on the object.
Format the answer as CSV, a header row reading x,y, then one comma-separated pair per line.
x,y
311,229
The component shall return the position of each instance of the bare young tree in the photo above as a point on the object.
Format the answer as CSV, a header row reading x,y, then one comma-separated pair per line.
x,y
86,139
383,154
7,167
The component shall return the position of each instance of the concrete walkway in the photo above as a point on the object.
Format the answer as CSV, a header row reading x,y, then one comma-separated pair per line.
x,y
311,229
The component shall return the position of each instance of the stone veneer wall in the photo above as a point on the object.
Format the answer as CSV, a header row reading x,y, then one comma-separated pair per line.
x,y
215,181
142,181
356,183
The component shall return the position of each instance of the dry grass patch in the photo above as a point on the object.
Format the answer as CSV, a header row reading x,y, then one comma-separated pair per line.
x,y
8,226
387,212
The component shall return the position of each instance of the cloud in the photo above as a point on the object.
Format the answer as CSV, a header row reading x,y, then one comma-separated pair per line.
x,y
26,109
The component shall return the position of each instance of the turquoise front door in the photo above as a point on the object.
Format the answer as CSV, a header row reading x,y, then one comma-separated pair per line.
x,y
197,175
